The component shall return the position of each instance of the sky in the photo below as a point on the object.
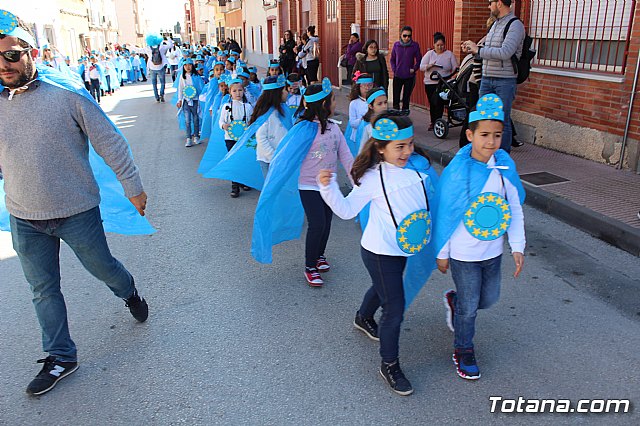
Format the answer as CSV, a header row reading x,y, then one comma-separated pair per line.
x,y
163,14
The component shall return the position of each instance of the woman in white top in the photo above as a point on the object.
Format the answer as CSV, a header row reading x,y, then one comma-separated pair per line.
x,y
310,55
270,134
444,62
397,195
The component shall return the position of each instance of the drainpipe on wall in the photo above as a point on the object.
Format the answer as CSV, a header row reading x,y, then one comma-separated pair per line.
x,y
626,127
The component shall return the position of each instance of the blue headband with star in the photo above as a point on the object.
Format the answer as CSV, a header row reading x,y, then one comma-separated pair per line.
x,y
327,89
234,81
9,27
489,107
279,84
386,129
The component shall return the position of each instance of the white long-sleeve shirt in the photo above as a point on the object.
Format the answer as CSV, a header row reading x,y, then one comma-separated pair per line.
x,y
269,136
357,109
241,111
465,247
184,82
406,196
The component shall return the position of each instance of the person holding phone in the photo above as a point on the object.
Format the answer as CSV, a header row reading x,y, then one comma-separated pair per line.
x,y
443,61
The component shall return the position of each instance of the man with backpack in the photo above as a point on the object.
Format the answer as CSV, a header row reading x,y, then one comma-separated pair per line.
x,y
158,63
500,55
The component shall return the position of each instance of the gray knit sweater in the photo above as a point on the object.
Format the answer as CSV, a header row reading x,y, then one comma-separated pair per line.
x,y
44,153
497,51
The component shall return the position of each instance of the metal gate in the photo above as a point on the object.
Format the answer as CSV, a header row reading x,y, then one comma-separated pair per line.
x,y
427,17
329,15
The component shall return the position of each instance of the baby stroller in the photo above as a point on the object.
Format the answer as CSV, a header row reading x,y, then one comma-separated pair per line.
x,y
455,94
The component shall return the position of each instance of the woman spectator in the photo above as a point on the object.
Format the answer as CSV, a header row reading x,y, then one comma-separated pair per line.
x,y
373,62
405,62
310,55
353,48
444,62
287,55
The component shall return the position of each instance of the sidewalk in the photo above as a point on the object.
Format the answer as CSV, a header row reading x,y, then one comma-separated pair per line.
x,y
596,198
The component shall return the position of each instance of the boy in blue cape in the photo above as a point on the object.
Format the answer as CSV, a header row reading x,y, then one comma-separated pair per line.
x,y
52,190
481,198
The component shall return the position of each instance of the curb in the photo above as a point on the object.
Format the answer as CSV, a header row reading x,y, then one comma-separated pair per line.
x,y
609,230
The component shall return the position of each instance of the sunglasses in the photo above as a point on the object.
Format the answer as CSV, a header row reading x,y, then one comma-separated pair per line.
x,y
406,35
13,55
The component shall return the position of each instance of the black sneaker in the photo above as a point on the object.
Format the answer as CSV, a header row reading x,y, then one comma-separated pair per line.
x,y
162,98
50,374
137,306
516,143
367,325
450,307
393,375
466,365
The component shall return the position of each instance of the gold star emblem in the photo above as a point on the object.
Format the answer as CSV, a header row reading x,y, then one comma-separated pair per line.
x,y
402,239
402,230
481,199
504,207
407,222
470,222
405,246
428,221
474,205
414,216
469,213
485,233
506,216
499,201
503,226
495,232
476,231
412,249
425,241
491,197
419,247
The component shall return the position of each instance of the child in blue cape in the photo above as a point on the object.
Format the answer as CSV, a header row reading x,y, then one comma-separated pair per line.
x,y
234,116
272,131
376,104
400,187
294,99
358,107
189,87
481,198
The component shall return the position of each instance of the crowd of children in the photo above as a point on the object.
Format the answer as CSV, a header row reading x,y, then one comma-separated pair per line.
x,y
277,136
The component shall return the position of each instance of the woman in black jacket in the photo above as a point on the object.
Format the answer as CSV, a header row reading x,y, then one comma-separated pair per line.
x,y
287,54
371,61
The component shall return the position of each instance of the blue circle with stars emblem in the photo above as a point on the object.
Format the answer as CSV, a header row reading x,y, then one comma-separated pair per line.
x,y
8,22
414,232
189,92
488,216
236,129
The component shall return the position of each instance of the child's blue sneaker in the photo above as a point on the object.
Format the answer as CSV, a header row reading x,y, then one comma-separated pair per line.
x,y
465,361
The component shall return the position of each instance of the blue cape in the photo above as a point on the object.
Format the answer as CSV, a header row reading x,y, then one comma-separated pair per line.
x,y
452,191
216,148
198,83
207,119
279,214
118,214
240,164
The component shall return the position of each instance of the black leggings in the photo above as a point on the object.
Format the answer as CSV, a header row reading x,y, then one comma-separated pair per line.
x,y
436,105
311,73
398,85
230,143
319,217
95,89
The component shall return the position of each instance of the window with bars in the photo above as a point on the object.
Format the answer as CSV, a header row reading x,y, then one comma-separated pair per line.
x,y
332,10
583,35
376,22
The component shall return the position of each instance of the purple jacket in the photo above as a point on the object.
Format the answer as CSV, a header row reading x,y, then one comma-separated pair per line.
x,y
352,49
404,58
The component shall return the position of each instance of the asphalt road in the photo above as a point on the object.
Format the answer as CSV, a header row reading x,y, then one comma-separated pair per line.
x,y
231,341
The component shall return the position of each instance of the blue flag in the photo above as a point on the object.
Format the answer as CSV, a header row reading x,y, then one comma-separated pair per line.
x,y
212,90
118,214
463,174
216,148
279,214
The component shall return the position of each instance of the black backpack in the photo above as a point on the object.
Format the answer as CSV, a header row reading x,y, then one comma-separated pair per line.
x,y
522,65
156,57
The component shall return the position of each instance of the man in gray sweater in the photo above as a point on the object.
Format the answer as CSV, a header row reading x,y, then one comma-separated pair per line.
x,y
52,194
498,73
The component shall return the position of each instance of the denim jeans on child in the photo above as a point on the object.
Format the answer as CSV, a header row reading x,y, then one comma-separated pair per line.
x,y
387,291
477,287
38,245
191,115
506,89
319,216
154,75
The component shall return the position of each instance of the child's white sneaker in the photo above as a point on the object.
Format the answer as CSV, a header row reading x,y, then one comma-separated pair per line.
x,y
189,143
196,140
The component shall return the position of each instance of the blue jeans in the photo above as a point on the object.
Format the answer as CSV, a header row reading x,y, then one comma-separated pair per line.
x,y
387,291
477,287
38,246
506,89
162,74
191,114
